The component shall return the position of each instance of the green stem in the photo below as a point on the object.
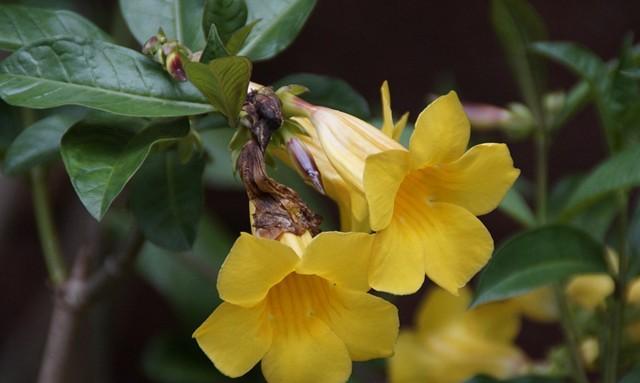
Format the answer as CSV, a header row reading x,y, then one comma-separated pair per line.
x,y
617,310
46,231
566,317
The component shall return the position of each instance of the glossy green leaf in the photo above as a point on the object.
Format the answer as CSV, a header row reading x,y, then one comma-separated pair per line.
x,y
329,91
517,25
224,82
227,15
180,20
619,172
79,72
188,279
21,26
101,159
38,143
516,207
166,199
239,38
536,258
214,48
280,23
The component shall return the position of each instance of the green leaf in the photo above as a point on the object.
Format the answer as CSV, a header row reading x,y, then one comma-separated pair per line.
x,y
9,127
177,358
517,25
579,60
180,20
214,48
219,172
516,207
536,258
619,172
71,71
227,15
188,279
632,377
101,159
224,82
21,26
39,142
166,199
329,91
281,21
239,37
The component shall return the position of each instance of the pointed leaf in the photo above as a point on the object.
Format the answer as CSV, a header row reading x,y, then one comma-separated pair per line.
x,y
224,82
21,26
329,91
97,75
180,20
239,37
536,258
101,159
214,48
516,207
166,199
39,142
579,60
281,21
227,15
517,25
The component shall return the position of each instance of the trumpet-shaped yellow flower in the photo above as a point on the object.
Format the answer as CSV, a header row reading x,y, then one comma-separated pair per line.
x,y
423,202
301,306
451,344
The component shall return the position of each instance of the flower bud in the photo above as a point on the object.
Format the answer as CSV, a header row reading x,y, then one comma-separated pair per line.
x,y
485,116
305,164
174,66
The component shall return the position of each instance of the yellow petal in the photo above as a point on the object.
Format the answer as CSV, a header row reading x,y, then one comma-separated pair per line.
x,y
538,305
399,127
235,338
441,134
368,325
387,116
590,290
252,267
342,258
397,259
383,175
477,181
633,293
411,364
439,308
456,245
498,321
313,353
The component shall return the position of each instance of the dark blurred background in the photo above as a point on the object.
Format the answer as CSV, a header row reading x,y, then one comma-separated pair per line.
x,y
420,47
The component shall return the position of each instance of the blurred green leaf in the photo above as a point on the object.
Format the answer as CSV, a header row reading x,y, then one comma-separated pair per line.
x,y
516,207
167,198
9,127
21,26
188,279
71,71
39,142
621,171
579,60
214,48
524,379
329,91
219,171
224,81
632,377
180,20
280,23
577,98
101,159
538,257
517,25
239,37
227,15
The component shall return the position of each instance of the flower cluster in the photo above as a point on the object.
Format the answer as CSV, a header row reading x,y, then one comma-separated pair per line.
x,y
300,304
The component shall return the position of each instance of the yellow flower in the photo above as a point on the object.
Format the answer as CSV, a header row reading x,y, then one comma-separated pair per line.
x,y
301,306
451,344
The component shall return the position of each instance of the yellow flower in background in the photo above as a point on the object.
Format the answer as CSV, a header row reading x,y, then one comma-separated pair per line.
x,y
423,202
301,306
451,344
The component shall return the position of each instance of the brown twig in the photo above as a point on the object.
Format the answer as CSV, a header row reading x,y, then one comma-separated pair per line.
x,y
72,299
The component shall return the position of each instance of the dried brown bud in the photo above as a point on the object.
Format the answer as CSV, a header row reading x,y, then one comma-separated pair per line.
x,y
278,208
264,111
